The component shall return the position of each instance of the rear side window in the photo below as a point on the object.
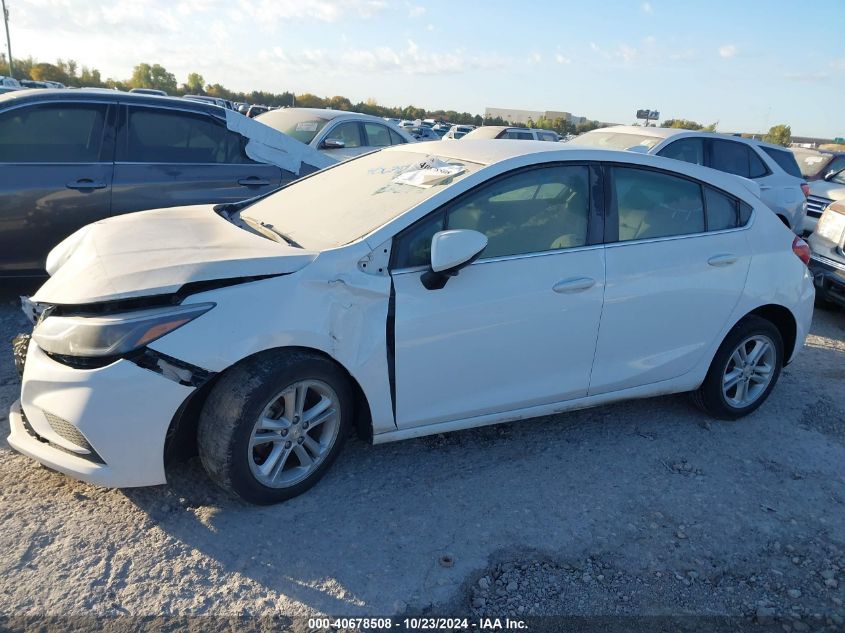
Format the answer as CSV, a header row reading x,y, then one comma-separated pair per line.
x,y
736,158
730,157
722,210
689,150
396,138
785,160
53,133
652,204
173,136
377,135
523,136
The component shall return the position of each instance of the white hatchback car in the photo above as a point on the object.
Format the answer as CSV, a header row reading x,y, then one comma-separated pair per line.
x,y
421,289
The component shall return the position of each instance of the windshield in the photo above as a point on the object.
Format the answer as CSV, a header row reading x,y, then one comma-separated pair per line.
x,y
616,140
344,203
301,125
811,162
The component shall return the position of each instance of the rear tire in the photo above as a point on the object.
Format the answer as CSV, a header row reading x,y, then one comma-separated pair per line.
x,y
744,370
274,424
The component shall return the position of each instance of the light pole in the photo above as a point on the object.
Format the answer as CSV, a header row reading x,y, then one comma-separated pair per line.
x,y
8,39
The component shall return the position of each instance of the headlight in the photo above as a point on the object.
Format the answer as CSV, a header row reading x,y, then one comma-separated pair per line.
x,y
113,334
831,225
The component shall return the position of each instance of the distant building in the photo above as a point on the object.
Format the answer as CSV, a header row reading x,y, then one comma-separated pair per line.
x,y
523,116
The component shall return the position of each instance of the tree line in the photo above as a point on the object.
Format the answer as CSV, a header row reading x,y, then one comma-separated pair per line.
x,y
155,76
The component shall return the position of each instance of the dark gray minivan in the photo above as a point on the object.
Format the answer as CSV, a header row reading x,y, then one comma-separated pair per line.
x,y
72,157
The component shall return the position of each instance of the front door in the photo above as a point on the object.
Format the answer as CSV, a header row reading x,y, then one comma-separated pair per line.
x,y
516,328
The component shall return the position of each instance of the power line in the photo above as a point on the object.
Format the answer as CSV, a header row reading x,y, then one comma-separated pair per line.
x,y
8,39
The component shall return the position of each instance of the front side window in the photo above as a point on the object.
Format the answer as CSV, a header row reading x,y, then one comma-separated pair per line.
x,y
652,204
533,211
156,135
53,133
689,150
348,133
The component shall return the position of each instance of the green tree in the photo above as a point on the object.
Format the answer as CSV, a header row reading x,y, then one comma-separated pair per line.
x,y
155,76
340,103
194,84
308,100
91,78
779,135
48,72
682,124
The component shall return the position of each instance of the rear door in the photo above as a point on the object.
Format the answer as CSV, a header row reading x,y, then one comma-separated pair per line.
x,y
170,157
676,268
55,176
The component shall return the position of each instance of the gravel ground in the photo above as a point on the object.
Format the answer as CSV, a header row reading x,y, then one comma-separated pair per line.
x,y
645,508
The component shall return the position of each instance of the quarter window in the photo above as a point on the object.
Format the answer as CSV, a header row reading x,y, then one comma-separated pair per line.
x,y
651,204
722,210
172,136
396,138
543,209
53,133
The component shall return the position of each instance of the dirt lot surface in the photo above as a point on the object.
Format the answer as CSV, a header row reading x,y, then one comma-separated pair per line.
x,y
644,507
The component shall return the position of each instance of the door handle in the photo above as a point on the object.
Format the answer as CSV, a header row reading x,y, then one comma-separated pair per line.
x,y
576,284
722,260
86,183
253,181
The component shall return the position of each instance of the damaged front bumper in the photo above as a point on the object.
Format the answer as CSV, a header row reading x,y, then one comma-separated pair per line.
x,y
104,425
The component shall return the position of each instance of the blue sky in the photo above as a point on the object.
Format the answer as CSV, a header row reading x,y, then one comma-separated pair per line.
x,y
746,64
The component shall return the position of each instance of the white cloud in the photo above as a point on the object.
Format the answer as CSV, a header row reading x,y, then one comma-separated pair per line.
x,y
416,11
727,51
383,59
646,7
536,58
562,59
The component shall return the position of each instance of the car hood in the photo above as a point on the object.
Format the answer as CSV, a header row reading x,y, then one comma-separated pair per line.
x,y
827,189
157,252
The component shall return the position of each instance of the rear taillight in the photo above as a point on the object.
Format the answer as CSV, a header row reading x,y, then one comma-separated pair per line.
x,y
801,249
806,189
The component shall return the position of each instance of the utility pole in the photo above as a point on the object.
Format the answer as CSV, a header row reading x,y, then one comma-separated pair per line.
x,y
8,39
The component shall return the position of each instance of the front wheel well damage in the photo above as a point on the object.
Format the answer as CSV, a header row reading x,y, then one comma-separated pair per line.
x,y
181,438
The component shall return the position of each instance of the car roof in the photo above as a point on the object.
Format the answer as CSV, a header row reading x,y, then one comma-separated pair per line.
x,y
329,114
490,151
103,94
669,132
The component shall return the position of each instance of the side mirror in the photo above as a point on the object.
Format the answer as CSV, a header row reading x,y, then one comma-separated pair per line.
x,y
333,143
451,251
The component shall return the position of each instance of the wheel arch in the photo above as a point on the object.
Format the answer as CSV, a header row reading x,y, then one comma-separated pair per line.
x,y
783,319
181,437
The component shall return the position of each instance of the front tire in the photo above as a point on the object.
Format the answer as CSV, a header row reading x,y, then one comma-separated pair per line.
x,y
273,425
744,370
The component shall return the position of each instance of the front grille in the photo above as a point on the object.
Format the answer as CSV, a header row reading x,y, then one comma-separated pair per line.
x,y
73,435
816,205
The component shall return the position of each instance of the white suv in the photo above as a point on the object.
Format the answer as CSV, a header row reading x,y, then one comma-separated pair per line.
x,y
772,167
